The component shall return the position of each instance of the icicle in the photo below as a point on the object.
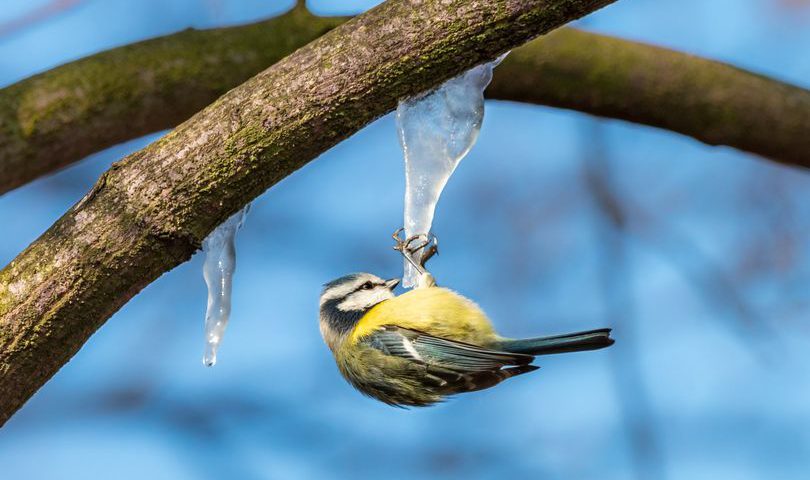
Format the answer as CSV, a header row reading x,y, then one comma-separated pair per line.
x,y
436,130
220,263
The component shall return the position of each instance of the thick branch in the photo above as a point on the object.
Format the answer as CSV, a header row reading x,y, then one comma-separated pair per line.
x,y
59,117
713,102
150,211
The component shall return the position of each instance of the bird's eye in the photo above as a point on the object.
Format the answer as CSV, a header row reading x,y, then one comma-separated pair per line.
x,y
367,286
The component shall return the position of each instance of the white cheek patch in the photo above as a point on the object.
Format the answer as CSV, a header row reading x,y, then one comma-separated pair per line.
x,y
364,299
348,305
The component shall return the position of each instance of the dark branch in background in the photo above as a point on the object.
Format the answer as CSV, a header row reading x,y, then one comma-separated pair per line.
x,y
710,101
718,289
616,277
708,279
59,117
37,15
151,211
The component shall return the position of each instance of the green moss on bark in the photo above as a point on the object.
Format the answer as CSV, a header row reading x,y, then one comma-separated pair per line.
x,y
60,116
710,101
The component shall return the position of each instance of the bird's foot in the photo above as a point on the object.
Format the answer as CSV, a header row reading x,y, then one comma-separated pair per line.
x,y
417,249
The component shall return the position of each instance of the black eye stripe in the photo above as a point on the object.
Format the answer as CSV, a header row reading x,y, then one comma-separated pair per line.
x,y
367,286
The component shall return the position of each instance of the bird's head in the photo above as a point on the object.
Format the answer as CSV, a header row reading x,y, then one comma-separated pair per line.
x,y
345,300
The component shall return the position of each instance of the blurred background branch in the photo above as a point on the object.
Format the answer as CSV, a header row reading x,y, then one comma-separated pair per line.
x,y
37,15
57,118
615,273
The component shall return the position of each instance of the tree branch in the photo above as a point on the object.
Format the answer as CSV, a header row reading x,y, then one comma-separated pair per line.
x,y
710,101
56,118
150,211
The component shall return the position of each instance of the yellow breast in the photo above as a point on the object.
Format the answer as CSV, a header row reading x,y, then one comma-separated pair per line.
x,y
435,310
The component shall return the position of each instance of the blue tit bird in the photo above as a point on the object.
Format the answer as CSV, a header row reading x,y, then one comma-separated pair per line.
x,y
429,343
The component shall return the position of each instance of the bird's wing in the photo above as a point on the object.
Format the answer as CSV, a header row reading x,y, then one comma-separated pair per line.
x,y
441,352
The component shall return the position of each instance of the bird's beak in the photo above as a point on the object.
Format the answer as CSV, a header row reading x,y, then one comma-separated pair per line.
x,y
391,284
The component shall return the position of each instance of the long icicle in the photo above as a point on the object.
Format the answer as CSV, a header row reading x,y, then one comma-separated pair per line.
x,y
436,130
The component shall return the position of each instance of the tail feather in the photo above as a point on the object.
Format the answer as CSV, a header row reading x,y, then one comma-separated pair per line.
x,y
572,342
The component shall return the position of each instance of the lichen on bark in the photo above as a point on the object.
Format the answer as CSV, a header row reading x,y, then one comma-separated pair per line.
x,y
57,117
713,102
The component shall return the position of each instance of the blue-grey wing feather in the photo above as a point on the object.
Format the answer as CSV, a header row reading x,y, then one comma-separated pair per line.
x,y
442,352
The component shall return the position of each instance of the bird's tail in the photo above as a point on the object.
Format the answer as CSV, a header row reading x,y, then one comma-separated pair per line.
x,y
572,342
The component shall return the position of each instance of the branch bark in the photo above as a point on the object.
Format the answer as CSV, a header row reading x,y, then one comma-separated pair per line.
x,y
150,211
710,101
56,118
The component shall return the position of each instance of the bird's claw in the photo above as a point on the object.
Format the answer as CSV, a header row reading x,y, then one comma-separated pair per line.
x,y
427,253
409,247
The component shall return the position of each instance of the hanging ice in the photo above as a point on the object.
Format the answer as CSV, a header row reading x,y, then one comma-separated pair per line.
x,y
220,263
436,130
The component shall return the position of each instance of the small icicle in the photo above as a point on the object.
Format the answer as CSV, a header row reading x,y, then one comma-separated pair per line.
x,y
436,130
220,263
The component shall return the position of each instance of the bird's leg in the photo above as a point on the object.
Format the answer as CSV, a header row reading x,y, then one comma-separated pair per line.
x,y
407,244
430,248
403,246
428,244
